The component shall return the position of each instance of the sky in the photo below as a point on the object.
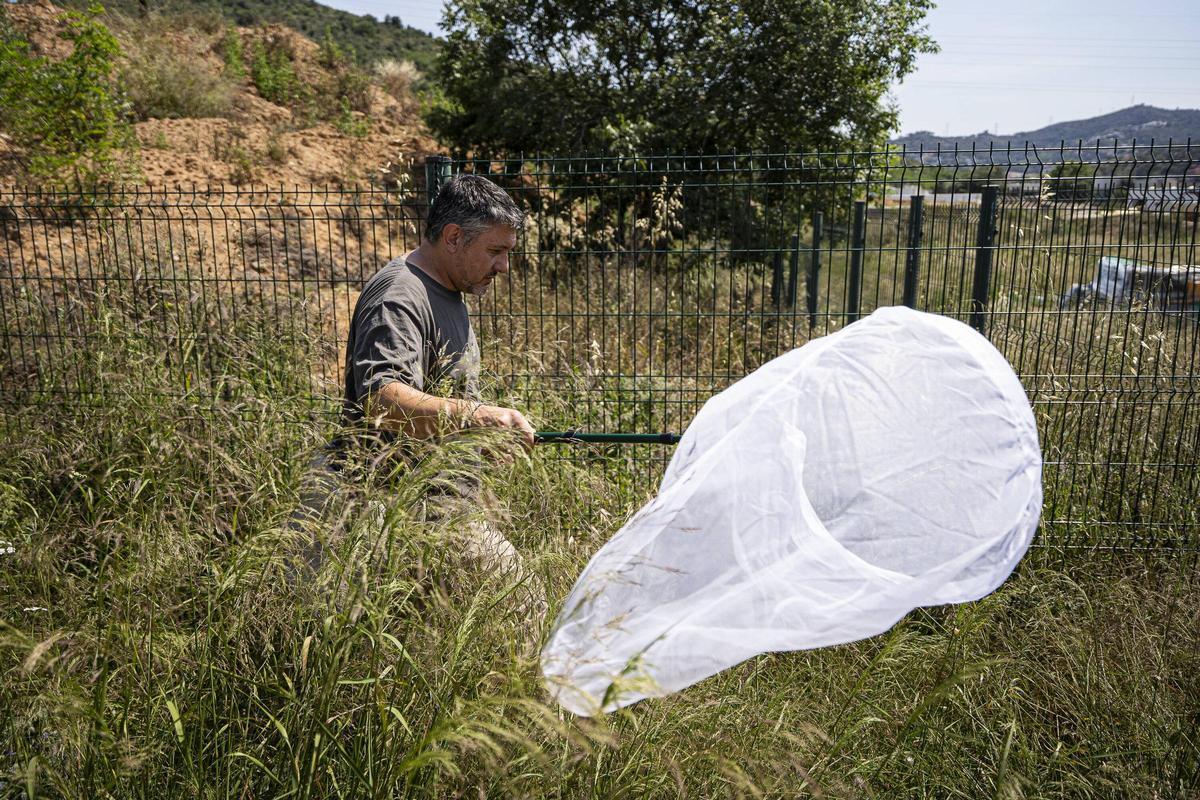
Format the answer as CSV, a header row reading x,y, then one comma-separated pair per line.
x,y
1014,66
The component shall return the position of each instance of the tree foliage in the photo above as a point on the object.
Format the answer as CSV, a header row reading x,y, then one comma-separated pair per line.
x,y
694,75
1072,180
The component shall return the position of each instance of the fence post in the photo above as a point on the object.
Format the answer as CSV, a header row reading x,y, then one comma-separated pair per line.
x,y
912,263
437,175
812,281
793,271
777,278
985,241
858,244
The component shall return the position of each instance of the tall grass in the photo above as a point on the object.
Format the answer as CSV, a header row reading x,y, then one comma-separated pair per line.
x,y
159,636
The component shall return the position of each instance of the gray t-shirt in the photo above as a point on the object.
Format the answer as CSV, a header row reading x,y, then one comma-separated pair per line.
x,y
407,327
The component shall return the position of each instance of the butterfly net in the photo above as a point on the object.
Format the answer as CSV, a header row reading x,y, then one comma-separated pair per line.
x,y
890,465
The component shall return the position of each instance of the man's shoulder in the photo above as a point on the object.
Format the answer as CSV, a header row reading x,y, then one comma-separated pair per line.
x,y
396,282
394,274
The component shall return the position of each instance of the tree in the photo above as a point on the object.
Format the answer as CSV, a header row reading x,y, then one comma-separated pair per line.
x,y
678,75
968,177
1072,180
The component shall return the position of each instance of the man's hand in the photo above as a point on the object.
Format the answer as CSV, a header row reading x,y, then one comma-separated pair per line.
x,y
508,418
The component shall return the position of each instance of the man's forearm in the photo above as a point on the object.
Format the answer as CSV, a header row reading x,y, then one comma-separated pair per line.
x,y
400,407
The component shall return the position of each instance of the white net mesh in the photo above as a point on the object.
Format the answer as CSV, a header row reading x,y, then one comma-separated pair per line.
x,y
891,465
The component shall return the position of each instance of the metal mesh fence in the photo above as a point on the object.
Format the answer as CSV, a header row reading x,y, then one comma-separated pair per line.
x,y
644,285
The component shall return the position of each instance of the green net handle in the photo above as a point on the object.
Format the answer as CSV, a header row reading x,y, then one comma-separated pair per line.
x,y
549,437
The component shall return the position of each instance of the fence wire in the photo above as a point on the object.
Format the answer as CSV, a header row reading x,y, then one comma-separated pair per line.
x,y
644,285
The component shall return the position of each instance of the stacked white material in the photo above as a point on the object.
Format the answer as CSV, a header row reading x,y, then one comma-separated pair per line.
x,y
891,465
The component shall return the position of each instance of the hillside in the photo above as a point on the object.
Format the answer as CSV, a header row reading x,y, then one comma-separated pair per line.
x,y
370,40
1140,122
218,104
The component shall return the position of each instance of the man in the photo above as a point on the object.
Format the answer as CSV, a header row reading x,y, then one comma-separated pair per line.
x,y
412,360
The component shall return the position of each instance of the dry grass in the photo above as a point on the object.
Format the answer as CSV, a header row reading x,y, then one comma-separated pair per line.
x,y
168,78
398,78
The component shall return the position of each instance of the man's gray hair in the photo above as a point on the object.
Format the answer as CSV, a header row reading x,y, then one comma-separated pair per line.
x,y
473,203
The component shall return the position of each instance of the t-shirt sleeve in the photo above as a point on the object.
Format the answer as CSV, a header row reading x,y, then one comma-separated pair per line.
x,y
388,346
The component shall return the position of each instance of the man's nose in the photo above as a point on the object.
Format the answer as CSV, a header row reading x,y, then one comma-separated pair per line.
x,y
501,264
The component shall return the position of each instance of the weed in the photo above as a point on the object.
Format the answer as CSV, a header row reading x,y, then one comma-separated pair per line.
x,y
243,166
331,55
276,148
350,123
155,640
352,86
229,146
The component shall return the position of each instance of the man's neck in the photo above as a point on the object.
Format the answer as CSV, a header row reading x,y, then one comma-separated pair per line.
x,y
425,258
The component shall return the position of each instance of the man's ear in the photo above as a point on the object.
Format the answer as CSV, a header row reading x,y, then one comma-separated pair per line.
x,y
452,235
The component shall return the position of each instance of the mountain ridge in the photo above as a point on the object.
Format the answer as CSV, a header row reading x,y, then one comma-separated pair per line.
x,y
1138,122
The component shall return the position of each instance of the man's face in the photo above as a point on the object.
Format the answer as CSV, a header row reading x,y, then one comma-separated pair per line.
x,y
485,257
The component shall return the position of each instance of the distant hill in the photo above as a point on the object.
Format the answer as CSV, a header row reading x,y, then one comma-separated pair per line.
x,y
371,39
1140,122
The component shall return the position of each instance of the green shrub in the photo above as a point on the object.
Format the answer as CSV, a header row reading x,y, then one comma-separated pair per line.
x,y
233,54
273,75
229,146
68,115
332,56
162,82
273,72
